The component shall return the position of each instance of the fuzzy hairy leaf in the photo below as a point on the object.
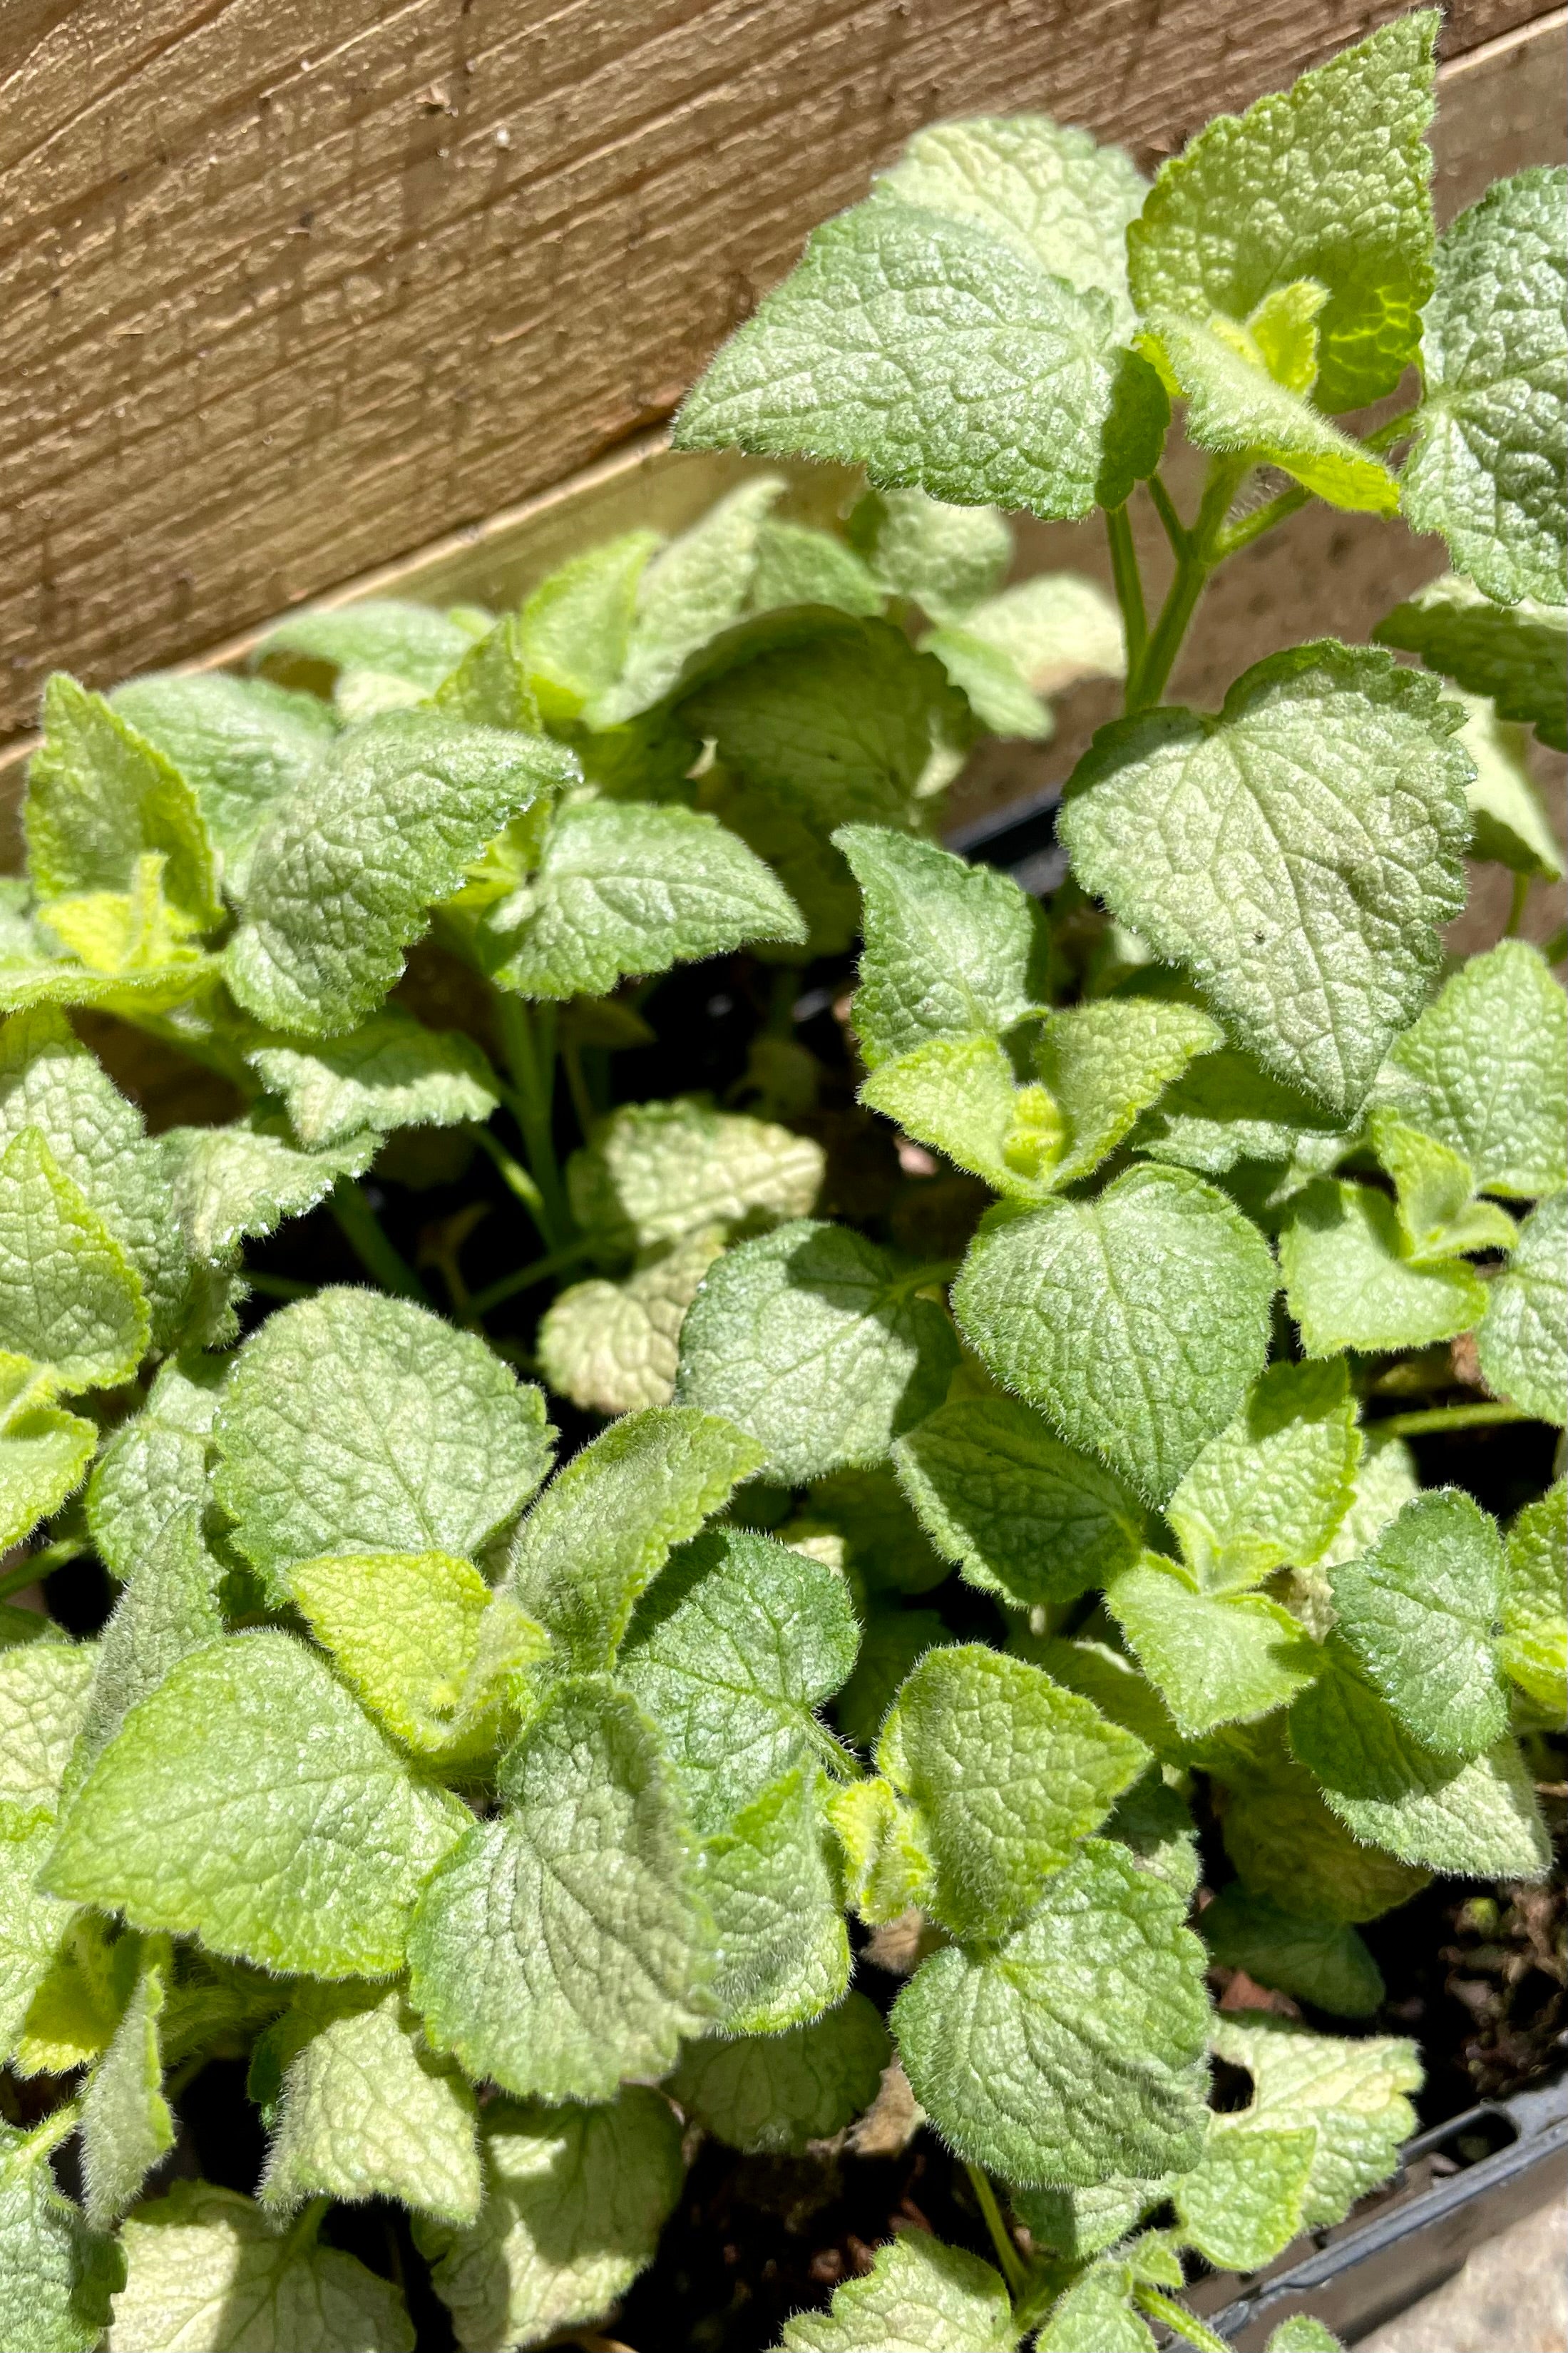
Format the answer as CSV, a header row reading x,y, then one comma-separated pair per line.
x,y
70,1298
56,2273
397,639
1516,655
32,1921
691,591
1105,1063
347,867
608,1521
809,1340
783,1955
1275,1486
1419,1611
250,1800
392,1071
564,1944
1019,1513
624,887
918,2296
1096,2315
1215,1658
44,1455
1350,2095
365,2111
240,743
229,1184
1534,1648
206,2266
1297,852
1490,452
1482,1071
930,351
99,798
354,1422
1136,1322
1235,403
948,946
1510,826
1081,2224
1349,1284
1320,1961
575,2202
653,1171
945,559
1286,1843
1434,1190
170,1608
775,2092
154,1465
1327,181
574,626
1224,1108
730,1653
1241,2203
126,2122
615,1347
1091,2019
1523,1337
1477,1818
1004,1773
43,1697
798,565
958,1094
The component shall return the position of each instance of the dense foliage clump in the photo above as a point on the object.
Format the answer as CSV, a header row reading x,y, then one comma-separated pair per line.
x,y
939,1544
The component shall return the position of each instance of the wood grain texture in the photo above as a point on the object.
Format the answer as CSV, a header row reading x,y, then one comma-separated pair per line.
x,y
291,288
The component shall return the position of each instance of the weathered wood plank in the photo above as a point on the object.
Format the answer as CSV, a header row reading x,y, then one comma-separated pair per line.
x,y
290,290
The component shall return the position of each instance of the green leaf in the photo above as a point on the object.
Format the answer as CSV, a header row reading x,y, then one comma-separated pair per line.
x,y
70,1298
990,682
1242,2203
1274,1485
949,946
1384,1481
1510,826
1348,1284
653,1171
1155,1826
1434,1190
43,1453
730,1653
1105,1063
1081,2224
891,1641
1002,1773
777,2092
1297,852
608,1521
1523,1338
169,1609
1286,1843
1019,1513
1302,2334
1050,192
797,565
1093,2018
576,624
154,1464
930,351
99,796
56,2273
71,2018
614,1347
1350,2094
1328,180
1487,465
564,1944
247,1800
126,2122
691,590
397,639
1136,1321
1217,1658
364,2111
1482,1071
353,1422
1055,629
1223,1109
1096,2315
783,1955
1419,1611
958,1096
389,1072
624,887
347,867
50,1080
229,1184
1534,1648
1235,404
918,2296
812,1341
945,559
1320,1961
1515,654
44,1689
205,2266
32,1922
406,1631
240,743
1477,1818
575,2202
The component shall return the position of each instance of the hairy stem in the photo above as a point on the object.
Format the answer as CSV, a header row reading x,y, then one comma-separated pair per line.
x,y
514,1175
280,1286
1196,555
1128,585
527,1041
1451,1417
370,1244
1164,506
1007,2254
1516,907
1186,2325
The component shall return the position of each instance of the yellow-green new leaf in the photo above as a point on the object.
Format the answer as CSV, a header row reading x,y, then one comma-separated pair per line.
x,y
126,2122
1349,1284
70,1298
918,2296
99,796
1274,1487
1534,1646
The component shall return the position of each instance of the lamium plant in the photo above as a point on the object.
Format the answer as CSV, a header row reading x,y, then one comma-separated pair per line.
x,y
985,1600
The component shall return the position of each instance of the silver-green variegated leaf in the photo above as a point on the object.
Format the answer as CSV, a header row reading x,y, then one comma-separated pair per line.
x,y
56,2272
652,1173
1351,2095
1482,1070
101,798
949,946
775,2093
615,1347
778,1918
230,1185
126,2121
1274,1487
169,1606
70,1298
155,1464
1534,1622
1215,1658
1523,1351
1317,1961
392,1071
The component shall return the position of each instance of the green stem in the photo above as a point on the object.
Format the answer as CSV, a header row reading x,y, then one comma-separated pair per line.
x,y
527,1041
1186,2325
1128,585
1263,518
514,1175
1176,531
577,1087
1515,906
302,2235
366,1238
1007,2254
509,1285
280,1286
28,1572
1196,559
1451,1417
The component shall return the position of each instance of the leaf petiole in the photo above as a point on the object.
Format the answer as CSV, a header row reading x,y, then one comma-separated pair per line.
x,y
507,1286
1451,1417
370,1242
1128,585
1007,2254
